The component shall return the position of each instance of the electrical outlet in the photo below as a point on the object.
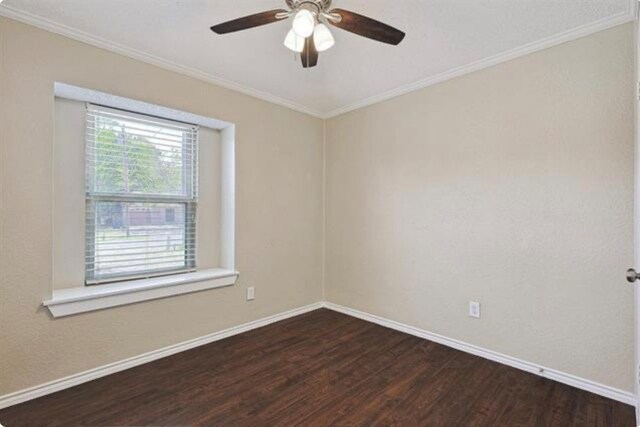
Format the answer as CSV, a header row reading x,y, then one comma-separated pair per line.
x,y
251,293
474,309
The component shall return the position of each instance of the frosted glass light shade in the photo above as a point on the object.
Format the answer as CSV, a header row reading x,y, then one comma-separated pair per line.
x,y
294,42
303,23
322,38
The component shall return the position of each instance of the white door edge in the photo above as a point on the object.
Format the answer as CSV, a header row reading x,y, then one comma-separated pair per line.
x,y
636,221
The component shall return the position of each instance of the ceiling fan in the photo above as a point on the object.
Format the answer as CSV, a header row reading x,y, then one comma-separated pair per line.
x,y
309,33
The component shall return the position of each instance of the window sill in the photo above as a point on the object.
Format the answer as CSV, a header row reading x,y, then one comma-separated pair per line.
x,y
66,302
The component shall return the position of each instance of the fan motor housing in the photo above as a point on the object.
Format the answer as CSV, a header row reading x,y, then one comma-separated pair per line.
x,y
322,5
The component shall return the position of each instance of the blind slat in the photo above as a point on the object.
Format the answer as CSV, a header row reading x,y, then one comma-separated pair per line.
x,y
148,257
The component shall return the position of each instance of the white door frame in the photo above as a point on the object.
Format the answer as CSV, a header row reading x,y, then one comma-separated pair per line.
x,y
636,222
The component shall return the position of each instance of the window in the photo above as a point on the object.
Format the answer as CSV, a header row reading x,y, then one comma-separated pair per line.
x,y
141,196
169,215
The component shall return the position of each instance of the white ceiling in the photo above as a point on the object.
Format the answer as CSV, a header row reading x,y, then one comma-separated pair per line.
x,y
444,38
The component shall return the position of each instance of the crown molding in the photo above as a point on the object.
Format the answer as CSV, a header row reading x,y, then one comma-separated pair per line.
x,y
585,30
547,42
64,30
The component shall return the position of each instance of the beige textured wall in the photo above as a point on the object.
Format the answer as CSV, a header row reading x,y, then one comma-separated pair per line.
x,y
512,186
278,211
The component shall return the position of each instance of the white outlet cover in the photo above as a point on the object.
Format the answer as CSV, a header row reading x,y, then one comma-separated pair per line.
x,y
251,294
474,309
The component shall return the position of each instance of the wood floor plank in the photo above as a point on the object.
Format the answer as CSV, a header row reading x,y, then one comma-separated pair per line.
x,y
321,368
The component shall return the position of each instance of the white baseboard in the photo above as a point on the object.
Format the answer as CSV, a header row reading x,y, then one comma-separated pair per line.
x,y
581,383
101,371
92,374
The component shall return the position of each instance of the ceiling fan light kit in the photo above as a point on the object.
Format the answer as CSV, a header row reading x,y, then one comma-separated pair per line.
x,y
322,38
309,33
304,23
294,41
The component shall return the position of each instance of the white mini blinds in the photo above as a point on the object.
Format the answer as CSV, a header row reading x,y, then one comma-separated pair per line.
x,y
141,195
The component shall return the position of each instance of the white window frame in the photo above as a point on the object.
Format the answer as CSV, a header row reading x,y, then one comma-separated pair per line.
x,y
81,299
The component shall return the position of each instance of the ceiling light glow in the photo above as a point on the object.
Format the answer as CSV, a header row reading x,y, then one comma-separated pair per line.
x,y
303,23
294,41
322,38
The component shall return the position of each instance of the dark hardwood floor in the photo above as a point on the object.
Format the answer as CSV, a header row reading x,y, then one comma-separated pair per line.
x,y
321,368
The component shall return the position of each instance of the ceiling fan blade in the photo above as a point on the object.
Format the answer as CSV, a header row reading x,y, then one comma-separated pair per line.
x,y
366,27
309,54
250,21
